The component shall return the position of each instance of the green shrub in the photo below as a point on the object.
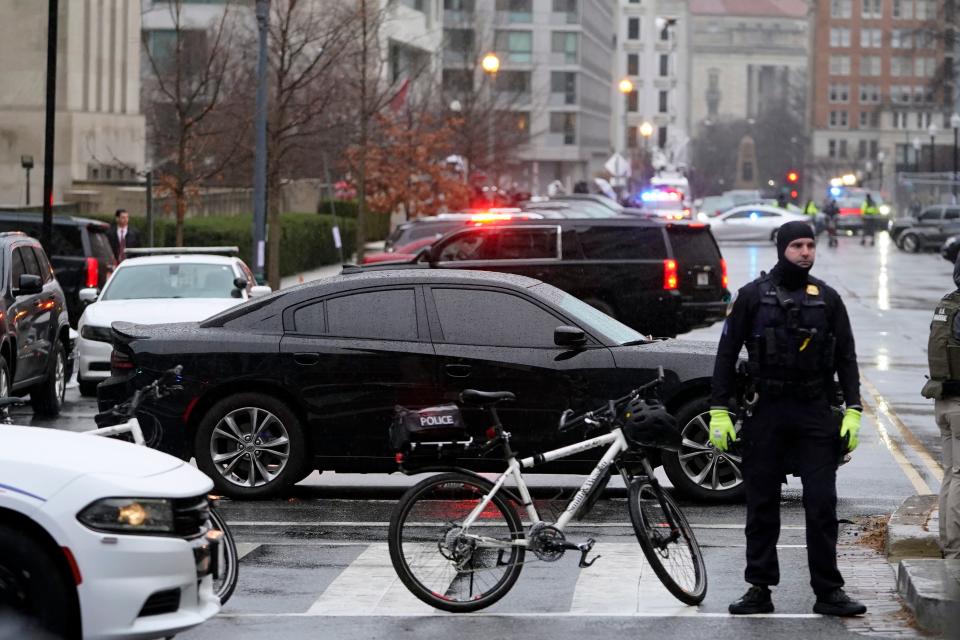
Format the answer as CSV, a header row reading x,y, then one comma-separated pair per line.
x,y
377,224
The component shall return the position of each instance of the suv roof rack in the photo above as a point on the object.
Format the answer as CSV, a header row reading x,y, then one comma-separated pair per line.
x,y
172,251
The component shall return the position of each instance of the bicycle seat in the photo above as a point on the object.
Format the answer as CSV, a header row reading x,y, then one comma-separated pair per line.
x,y
485,398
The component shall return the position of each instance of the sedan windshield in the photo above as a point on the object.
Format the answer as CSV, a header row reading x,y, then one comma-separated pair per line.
x,y
181,280
612,329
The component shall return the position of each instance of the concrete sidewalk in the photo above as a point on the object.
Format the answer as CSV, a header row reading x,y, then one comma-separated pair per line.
x,y
929,584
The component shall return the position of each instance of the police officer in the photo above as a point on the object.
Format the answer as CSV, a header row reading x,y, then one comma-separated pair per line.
x,y
798,335
871,215
943,354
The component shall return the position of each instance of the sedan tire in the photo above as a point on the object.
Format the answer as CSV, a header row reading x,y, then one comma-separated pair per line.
x,y
699,471
47,396
910,243
251,445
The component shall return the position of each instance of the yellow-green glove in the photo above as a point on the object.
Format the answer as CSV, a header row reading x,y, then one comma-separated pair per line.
x,y
850,428
722,432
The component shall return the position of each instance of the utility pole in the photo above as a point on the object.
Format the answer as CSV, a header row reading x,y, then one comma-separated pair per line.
x,y
48,138
260,151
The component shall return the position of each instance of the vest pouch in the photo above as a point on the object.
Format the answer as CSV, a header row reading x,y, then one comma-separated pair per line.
x,y
953,361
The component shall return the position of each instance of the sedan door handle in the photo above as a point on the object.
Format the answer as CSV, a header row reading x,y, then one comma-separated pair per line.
x,y
458,370
306,359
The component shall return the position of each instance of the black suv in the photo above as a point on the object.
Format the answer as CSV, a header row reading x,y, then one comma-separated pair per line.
x,y
661,279
35,346
80,252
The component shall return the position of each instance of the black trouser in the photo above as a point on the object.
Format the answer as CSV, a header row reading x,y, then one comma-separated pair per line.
x,y
788,435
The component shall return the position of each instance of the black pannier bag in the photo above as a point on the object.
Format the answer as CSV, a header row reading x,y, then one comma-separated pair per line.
x,y
434,428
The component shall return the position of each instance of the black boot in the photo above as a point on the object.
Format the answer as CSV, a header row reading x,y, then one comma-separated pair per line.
x,y
755,600
838,603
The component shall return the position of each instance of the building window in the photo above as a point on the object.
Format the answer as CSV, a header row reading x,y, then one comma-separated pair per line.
x,y
869,119
633,29
903,9
521,120
840,93
899,120
633,101
838,120
565,42
924,119
869,94
568,7
632,139
926,9
871,38
460,42
564,82
633,64
662,104
832,148
466,6
514,83
841,8
900,94
872,9
565,124
842,151
457,81
662,137
516,10
839,65
870,65
901,39
861,149
517,46
840,37
664,65
924,67
901,66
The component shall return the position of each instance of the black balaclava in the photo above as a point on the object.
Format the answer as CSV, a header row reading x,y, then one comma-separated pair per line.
x,y
790,275
956,272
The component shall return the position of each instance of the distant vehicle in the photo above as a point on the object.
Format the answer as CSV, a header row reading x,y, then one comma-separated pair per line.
x,y
665,202
435,226
752,222
36,350
933,216
612,205
401,253
850,202
101,537
660,279
926,237
178,285
671,181
295,368
570,209
80,252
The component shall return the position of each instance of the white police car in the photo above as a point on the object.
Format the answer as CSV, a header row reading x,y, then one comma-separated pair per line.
x,y
100,538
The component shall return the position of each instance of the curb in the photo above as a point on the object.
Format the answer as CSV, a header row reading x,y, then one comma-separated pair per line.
x,y
909,534
931,588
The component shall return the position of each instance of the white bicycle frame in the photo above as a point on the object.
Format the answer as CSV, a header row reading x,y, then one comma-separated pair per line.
x,y
131,426
618,444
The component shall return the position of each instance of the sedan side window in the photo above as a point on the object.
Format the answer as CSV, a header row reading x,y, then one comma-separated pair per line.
x,y
527,244
952,213
46,271
377,315
18,268
933,214
30,265
739,215
310,320
476,316
469,246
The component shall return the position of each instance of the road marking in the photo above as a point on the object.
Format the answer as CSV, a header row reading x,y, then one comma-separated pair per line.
x,y
545,614
919,484
883,407
573,525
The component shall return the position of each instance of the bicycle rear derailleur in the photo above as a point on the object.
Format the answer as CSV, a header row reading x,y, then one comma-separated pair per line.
x,y
549,544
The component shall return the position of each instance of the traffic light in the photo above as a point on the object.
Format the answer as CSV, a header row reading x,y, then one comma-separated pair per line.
x,y
793,176
794,194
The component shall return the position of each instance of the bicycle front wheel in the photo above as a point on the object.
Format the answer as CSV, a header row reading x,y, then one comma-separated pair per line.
x,y
668,542
228,560
438,561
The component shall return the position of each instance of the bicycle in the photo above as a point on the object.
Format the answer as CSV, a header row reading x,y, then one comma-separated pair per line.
x,y
458,544
121,421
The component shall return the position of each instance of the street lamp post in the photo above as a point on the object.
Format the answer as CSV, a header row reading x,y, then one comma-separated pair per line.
x,y
27,163
626,88
881,156
490,65
868,165
259,236
916,153
932,130
646,130
955,123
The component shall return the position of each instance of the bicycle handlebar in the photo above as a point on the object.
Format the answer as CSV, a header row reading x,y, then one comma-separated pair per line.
x,y
609,412
162,386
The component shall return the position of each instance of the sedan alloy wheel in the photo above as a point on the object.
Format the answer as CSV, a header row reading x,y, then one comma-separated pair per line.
x,y
250,447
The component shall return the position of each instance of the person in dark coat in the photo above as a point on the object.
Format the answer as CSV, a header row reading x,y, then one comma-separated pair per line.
x,y
122,235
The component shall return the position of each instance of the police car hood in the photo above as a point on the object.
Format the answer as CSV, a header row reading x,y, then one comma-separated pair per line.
x,y
689,359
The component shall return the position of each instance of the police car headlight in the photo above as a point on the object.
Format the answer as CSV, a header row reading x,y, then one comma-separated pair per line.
x,y
129,515
99,334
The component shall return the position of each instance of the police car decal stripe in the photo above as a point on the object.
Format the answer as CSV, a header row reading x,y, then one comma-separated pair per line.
x,y
26,493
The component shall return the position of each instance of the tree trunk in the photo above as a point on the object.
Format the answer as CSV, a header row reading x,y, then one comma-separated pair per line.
x,y
181,197
273,233
364,115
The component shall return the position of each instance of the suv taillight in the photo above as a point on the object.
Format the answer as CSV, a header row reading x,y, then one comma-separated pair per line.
x,y
120,361
93,273
724,280
669,275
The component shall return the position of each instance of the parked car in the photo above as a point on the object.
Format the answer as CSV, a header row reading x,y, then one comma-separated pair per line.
x,y
36,351
435,226
80,252
928,230
932,216
614,206
950,248
752,222
569,209
308,378
177,285
100,537
660,279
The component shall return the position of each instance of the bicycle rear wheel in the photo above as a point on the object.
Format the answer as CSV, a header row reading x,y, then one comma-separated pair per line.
x,y
436,562
674,554
228,560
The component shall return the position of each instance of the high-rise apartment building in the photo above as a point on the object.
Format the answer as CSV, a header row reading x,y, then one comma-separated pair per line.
x,y
875,100
553,83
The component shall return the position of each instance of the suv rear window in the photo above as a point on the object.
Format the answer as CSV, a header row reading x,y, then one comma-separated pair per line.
x,y
693,246
622,243
100,244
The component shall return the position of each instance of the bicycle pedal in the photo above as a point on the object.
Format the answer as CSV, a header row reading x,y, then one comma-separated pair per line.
x,y
585,548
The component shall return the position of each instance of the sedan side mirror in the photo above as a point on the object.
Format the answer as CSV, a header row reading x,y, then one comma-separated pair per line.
x,y
88,295
29,285
260,290
240,282
569,337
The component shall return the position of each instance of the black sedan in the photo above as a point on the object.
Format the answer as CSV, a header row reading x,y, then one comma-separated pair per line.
x,y
309,377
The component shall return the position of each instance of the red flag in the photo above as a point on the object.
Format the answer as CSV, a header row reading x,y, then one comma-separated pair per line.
x,y
396,104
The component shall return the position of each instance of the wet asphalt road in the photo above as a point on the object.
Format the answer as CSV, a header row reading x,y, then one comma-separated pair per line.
x,y
316,564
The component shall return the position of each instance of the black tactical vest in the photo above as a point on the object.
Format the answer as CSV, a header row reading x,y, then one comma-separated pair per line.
x,y
943,351
791,348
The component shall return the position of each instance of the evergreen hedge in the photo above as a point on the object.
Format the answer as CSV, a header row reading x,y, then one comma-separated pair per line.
x,y
378,224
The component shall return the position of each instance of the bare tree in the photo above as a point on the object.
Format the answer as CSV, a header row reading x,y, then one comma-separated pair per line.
x,y
188,79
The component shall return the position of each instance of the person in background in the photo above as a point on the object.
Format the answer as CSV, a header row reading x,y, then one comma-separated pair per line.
x,y
122,235
871,215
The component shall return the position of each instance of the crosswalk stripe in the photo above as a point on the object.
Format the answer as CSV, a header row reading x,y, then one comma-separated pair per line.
x,y
368,586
